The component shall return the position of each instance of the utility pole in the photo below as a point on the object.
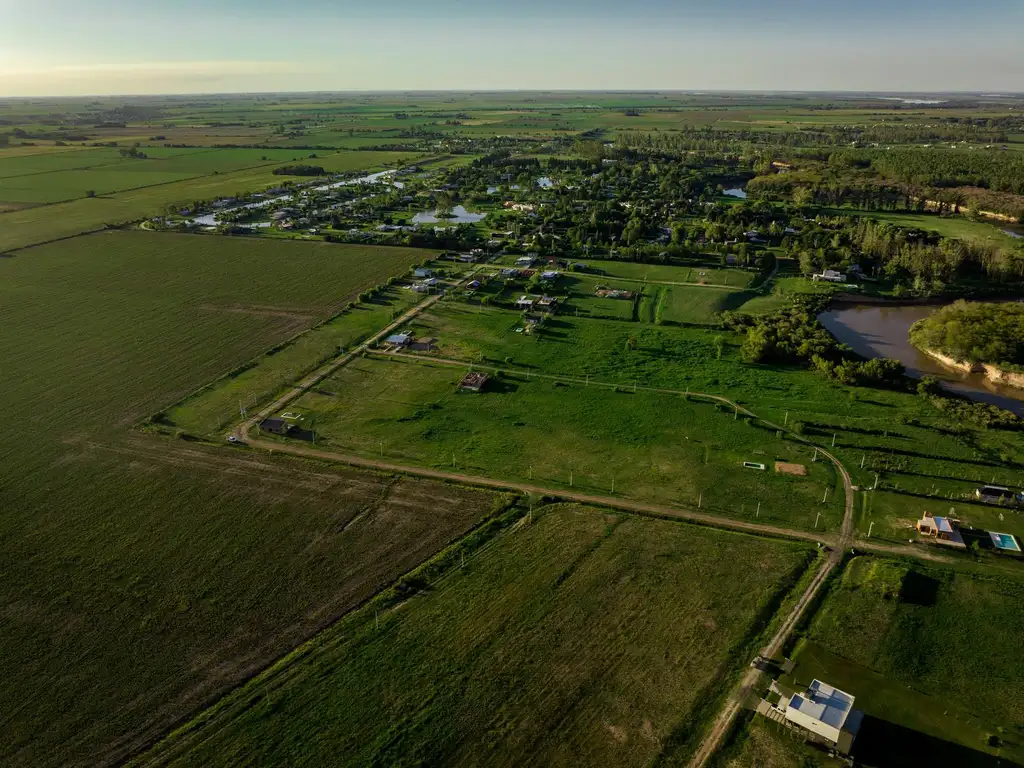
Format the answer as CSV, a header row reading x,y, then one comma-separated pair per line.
x,y
818,517
785,421
758,512
815,455
862,457
825,497
700,499
871,525
382,449
833,439
613,485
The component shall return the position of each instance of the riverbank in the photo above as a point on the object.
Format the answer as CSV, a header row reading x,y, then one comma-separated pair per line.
x,y
993,373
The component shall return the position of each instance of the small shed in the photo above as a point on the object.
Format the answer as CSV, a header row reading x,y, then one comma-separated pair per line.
x,y
275,426
473,381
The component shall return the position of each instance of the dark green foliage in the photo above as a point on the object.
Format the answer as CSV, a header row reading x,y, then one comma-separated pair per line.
x,y
975,332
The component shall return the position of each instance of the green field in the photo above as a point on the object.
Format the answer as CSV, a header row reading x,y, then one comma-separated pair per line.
x,y
929,650
703,306
145,576
20,228
216,407
660,273
653,447
621,630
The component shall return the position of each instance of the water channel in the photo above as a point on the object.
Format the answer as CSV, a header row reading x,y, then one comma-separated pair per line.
x,y
883,331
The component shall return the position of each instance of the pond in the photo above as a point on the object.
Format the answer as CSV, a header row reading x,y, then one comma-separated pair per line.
x,y
459,215
735,192
884,331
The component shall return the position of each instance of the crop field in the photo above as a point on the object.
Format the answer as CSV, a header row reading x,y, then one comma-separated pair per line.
x,y
21,228
105,172
184,571
929,650
652,447
144,576
620,629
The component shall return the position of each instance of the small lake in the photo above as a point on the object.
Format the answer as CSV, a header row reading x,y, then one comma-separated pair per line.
x,y
884,331
735,192
459,215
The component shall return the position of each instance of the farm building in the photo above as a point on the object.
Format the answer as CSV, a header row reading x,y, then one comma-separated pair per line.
x,y
547,303
941,529
399,340
525,302
525,261
549,275
997,494
826,713
473,381
275,426
474,284
422,272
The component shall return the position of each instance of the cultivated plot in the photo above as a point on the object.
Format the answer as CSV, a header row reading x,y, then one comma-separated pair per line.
x,y
583,637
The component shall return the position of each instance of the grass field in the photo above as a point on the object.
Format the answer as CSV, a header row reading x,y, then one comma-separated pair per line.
x,y
684,304
947,226
143,576
929,650
658,448
21,228
659,273
619,629
216,407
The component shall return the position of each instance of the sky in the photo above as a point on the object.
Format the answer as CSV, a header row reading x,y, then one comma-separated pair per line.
x,y
97,47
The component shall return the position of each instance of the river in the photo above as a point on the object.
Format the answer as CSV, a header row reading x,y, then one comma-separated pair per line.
x,y
883,331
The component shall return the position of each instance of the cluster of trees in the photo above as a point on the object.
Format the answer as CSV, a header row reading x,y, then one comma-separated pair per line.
x,y
923,260
975,332
984,415
300,170
939,181
794,336
1003,172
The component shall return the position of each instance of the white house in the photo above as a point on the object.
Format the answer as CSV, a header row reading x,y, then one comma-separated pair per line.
x,y
826,712
830,276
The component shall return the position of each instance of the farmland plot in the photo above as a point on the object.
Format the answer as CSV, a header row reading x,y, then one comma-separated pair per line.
x,y
619,629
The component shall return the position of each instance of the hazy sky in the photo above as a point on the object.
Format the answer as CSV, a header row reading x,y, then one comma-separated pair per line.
x,y
74,47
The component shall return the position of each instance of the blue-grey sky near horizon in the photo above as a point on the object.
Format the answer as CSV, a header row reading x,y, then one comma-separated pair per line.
x,y
79,47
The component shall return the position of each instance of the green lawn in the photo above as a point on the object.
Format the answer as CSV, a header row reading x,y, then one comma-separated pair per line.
x,y
704,306
623,631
